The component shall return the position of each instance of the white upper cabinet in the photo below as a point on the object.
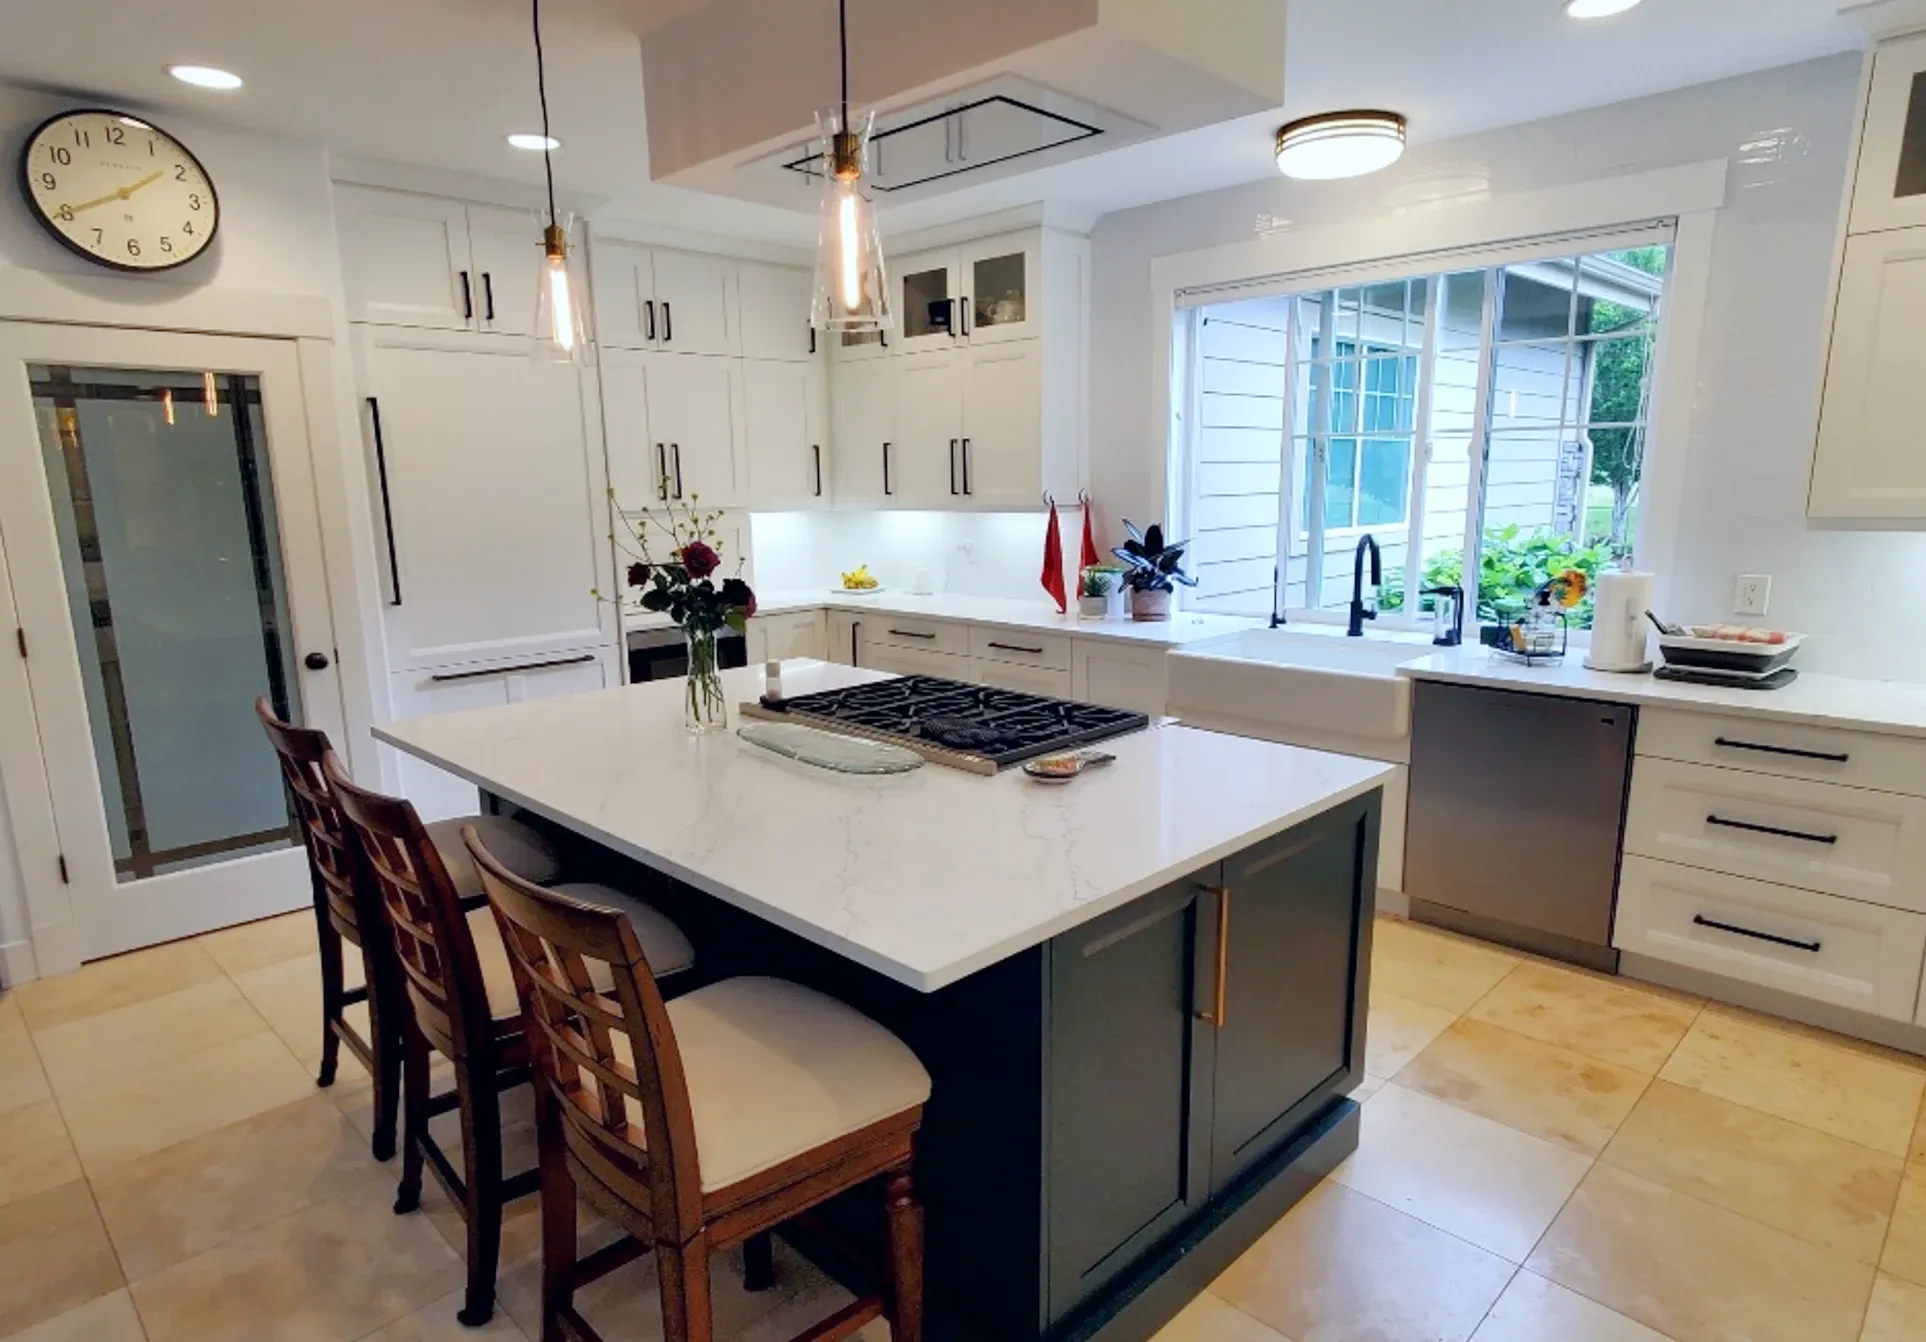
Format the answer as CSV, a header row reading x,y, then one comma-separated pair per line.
x,y
650,298
695,420
634,475
505,247
926,467
929,295
492,493
865,406
437,264
775,313
783,421
1869,464
1889,188
981,293
1003,458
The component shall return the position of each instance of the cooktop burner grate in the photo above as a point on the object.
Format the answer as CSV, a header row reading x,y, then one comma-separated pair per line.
x,y
999,727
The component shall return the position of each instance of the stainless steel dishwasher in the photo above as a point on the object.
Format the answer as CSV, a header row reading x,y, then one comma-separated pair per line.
x,y
1516,812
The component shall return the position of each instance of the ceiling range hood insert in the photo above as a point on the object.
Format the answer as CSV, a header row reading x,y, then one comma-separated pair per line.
x,y
965,91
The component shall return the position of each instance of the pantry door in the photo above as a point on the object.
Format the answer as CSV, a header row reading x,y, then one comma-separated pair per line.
x,y
158,514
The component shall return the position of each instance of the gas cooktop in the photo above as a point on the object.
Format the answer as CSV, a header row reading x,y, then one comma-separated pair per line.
x,y
975,727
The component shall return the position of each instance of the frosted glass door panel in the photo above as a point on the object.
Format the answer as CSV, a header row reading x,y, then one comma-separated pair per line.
x,y
171,558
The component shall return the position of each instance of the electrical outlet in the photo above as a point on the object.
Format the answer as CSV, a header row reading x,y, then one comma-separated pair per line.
x,y
1753,594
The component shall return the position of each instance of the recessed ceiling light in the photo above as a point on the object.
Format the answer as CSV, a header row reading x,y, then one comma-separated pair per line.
x,y
1597,9
205,77
1340,144
523,140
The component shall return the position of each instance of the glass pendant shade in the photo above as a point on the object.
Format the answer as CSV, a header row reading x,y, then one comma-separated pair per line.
x,y
852,290
560,332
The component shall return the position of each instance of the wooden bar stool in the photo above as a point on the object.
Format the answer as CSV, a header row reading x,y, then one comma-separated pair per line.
x,y
460,993
761,1100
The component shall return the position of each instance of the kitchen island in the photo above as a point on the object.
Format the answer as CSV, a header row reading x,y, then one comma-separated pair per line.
x,y
1140,996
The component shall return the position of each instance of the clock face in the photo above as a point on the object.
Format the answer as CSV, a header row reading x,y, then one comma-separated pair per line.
x,y
118,190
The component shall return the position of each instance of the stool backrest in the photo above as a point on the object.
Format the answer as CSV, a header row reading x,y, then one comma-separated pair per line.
x,y
333,861
606,1066
432,942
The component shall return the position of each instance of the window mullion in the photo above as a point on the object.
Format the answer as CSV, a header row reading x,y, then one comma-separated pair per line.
x,y
1316,469
1287,461
1479,447
1421,446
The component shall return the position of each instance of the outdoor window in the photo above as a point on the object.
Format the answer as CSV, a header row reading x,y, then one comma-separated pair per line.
x,y
1497,410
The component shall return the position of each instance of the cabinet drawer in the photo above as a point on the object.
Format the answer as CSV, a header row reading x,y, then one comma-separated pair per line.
x,y
901,661
1045,680
1791,750
1817,836
1818,946
1025,646
906,632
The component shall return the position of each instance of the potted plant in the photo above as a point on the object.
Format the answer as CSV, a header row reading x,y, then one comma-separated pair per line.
x,y
1153,569
1094,588
684,587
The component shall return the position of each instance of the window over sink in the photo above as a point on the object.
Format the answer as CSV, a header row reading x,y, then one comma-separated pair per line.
x,y
1492,404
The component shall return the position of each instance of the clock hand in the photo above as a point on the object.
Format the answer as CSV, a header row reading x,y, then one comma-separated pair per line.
x,y
120,194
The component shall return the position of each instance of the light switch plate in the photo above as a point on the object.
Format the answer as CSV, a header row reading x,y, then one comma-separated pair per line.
x,y
1752,595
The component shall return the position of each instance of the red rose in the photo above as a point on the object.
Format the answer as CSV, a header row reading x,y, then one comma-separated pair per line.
x,y
700,560
638,575
735,592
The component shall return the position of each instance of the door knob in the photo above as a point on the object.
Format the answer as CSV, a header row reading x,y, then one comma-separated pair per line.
x,y
315,661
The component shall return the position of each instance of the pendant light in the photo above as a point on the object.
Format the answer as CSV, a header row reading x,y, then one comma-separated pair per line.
x,y
852,290
559,331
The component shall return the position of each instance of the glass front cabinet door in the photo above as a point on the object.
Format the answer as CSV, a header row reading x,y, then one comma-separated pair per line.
x,y
1000,277
929,286
1889,189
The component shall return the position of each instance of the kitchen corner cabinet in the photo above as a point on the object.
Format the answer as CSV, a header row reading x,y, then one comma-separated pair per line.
x,y
436,264
657,299
672,424
488,499
1867,468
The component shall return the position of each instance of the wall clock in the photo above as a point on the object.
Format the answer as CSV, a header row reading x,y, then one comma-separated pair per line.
x,y
118,190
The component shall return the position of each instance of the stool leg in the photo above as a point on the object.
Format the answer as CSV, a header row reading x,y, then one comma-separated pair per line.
x,y
331,992
414,1116
385,1040
682,1270
481,1146
905,1256
758,1262
559,1247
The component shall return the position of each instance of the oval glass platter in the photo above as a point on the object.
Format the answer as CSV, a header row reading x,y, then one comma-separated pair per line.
x,y
829,750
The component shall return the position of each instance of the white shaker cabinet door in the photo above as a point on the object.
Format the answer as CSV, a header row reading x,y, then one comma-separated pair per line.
x,y
784,430
865,409
695,299
406,260
635,471
507,251
1003,426
775,313
695,429
623,287
496,504
926,467
1870,463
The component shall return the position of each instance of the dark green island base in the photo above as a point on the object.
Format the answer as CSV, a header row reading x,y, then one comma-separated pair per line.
x,y
1107,1131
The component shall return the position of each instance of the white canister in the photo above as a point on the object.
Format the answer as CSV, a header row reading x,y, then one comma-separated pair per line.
x,y
1619,626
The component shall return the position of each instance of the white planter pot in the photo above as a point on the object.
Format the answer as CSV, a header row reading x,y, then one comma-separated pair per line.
x,y
1093,607
1149,606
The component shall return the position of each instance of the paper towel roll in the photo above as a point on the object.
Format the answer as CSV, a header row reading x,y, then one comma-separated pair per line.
x,y
1619,625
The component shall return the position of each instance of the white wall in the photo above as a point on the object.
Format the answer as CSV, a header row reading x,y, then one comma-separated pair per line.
x,y
970,554
1786,133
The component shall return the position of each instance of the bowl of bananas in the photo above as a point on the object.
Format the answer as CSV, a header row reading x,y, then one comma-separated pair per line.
x,y
859,581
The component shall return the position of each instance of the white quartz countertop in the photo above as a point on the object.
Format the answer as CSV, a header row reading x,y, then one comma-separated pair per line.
x,y
1894,707
1183,627
925,877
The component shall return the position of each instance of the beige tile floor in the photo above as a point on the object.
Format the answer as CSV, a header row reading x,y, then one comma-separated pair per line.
x,y
1547,1156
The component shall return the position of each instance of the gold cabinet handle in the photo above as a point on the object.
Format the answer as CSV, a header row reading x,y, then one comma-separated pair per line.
x,y
1216,1015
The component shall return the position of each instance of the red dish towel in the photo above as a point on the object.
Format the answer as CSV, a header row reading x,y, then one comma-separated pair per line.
x,y
1053,561
1089,540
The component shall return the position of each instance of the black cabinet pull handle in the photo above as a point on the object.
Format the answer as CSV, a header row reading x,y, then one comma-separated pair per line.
x,y
949,319
668,323
1703,921
812,340
965,305
467,299
968,488
675,451
662,472
488,295
817,448
1773,830
953,443
1016,647
387,506
1217,1013
1781,750
446,676
911,633
886,488
855,642
648,308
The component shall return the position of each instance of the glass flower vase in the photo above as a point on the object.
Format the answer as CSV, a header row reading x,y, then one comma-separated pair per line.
x,y
704,709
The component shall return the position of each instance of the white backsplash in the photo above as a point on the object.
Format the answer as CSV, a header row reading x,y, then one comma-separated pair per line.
x,y
971,554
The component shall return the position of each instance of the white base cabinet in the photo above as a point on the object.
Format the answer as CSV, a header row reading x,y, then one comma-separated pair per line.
x,y
803,633
1132,676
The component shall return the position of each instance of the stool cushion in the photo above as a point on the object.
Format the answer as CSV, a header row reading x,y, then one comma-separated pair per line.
x,y
662,943
522,850
775,1070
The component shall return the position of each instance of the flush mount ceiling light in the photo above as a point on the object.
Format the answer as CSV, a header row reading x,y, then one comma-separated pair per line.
x,y
851,291
1597,9
1339,144
525,140
205,77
